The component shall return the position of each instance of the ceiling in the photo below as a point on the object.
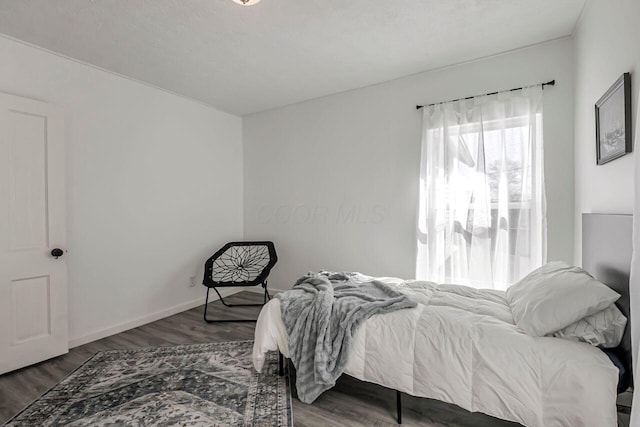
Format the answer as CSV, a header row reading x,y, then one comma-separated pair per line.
x,y
278,52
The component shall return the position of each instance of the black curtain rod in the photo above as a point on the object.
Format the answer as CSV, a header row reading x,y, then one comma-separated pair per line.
x,y
551,83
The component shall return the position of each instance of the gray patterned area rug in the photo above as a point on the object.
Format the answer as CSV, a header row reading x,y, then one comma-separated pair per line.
x,y
188,385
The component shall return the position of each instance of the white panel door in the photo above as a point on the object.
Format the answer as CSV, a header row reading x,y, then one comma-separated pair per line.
x,y
33,283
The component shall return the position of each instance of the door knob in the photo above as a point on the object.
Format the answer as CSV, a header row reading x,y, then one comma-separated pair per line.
x,y
57,252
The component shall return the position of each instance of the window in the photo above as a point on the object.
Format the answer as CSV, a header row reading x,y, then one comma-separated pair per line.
x,y
481,220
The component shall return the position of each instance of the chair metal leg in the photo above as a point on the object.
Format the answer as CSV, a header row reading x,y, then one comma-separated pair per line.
x,y
267,297
399,406
206,305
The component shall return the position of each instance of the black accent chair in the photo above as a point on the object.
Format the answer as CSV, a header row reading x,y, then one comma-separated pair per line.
x,y
239,264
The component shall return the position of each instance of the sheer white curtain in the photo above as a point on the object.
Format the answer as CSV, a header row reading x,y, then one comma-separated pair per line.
x,y
481,219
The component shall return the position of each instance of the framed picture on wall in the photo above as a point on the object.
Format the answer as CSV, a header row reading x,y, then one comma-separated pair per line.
x,y
613,121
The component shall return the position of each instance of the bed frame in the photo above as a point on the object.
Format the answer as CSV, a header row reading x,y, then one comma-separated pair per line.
x,y
607,247
606,254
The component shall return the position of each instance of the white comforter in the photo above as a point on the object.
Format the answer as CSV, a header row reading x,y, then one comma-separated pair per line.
x,y
460,345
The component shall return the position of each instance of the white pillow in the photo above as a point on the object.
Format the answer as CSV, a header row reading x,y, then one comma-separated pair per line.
x,y
556,295
605,328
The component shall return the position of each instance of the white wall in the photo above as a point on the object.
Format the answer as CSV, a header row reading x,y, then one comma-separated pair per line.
x,y
607,45
333,181
154,187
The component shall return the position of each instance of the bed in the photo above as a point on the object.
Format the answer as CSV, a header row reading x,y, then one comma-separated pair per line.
x,y
461,345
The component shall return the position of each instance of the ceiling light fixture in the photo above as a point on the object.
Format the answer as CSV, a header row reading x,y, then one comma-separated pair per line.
x,y
247,2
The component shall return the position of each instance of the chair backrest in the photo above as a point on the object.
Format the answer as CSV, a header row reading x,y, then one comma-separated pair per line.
x,y
240,264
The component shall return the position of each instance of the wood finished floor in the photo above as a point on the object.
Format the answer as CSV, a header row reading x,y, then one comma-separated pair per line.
x,y
350,403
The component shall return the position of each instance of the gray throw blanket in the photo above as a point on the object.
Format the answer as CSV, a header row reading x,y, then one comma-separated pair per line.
x,y
322,314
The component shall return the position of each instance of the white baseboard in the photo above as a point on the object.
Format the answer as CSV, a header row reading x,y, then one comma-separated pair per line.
x,y
112,330
260,290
